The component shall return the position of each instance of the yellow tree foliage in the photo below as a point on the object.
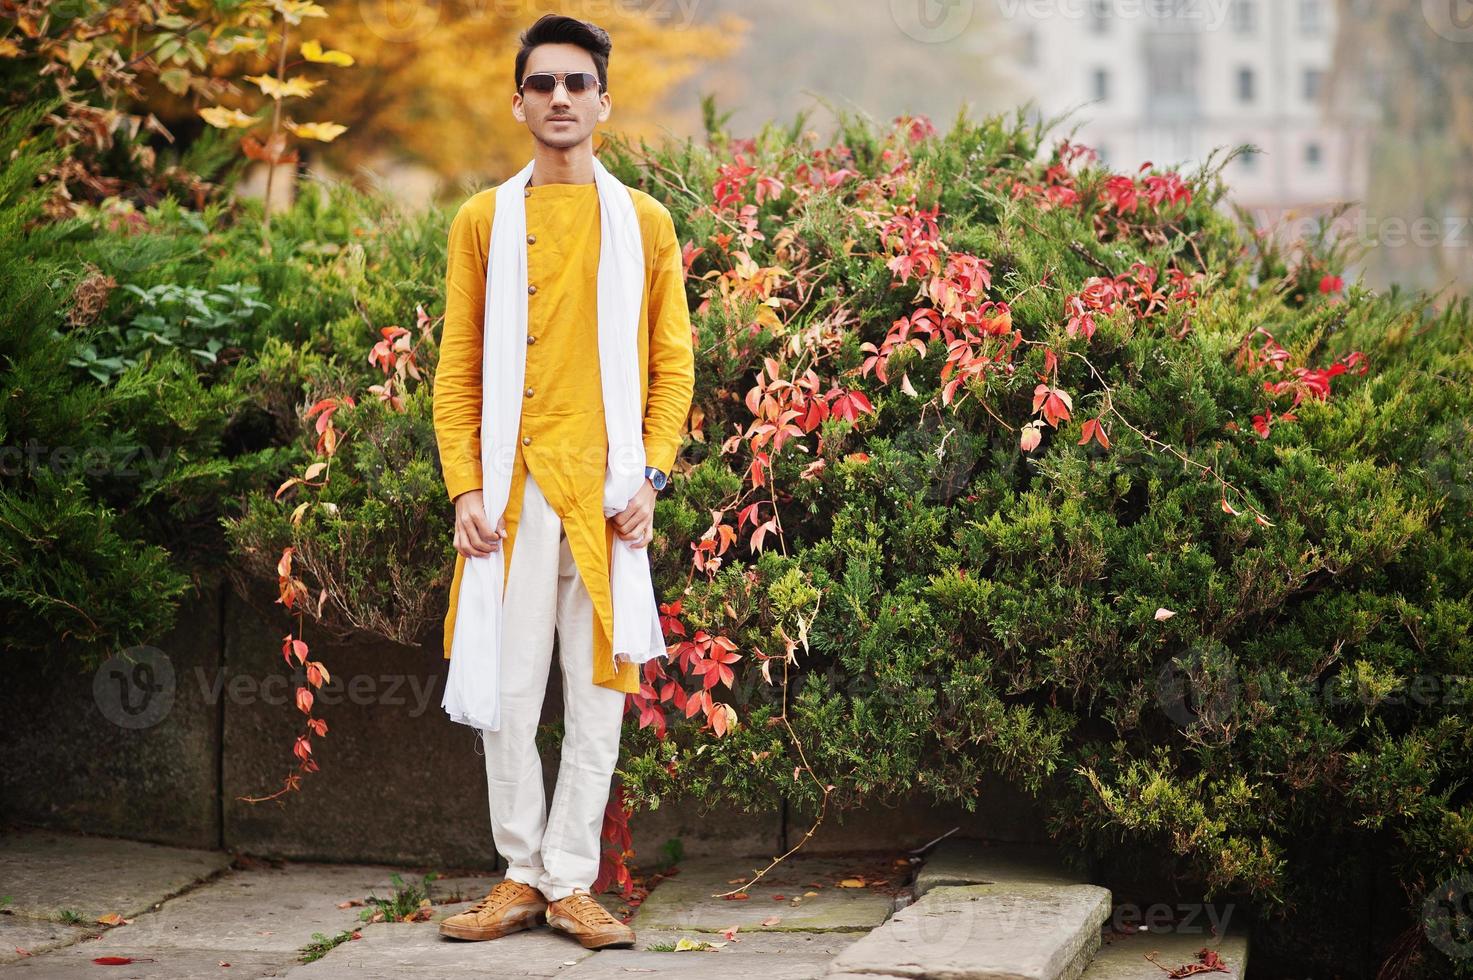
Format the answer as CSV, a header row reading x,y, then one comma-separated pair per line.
x,y
433,82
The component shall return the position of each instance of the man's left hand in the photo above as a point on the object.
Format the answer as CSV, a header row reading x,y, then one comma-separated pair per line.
x,y
636,523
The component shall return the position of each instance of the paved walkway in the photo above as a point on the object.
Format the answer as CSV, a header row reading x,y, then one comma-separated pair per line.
x,y
73,905
185,913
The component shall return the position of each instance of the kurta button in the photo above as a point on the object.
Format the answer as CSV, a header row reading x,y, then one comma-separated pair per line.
x,y
531,239
532,287
526,440
529,392
531,339
527,192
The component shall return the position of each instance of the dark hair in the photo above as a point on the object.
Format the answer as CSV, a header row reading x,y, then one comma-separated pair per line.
x,y
562,29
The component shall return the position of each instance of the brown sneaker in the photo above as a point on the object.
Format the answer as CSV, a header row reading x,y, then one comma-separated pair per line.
x,y
580,916
511,906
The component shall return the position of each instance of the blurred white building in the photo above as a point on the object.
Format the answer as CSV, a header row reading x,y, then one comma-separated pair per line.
x,y
1170,80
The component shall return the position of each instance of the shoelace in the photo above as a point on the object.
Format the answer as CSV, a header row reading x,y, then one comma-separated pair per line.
x,y
499,896
584,903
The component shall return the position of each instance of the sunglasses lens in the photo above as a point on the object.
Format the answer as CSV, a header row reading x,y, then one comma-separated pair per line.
x,y
577,82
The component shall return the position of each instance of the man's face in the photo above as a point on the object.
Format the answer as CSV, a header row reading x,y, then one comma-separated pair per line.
x,y
560,118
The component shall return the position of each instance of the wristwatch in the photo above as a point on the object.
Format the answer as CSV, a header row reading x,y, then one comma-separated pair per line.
x,y
656,477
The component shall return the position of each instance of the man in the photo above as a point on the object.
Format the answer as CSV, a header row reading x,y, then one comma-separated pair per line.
x,y
558,534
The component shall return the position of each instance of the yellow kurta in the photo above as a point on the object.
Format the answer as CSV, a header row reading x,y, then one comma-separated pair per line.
x,y
563,438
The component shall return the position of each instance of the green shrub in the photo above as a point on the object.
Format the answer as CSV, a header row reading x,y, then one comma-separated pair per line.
x,y
1277,706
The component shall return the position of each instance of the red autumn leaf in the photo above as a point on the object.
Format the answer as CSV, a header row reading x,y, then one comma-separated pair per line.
x,y
762,531
1094,429
1055,404
292,647
850,404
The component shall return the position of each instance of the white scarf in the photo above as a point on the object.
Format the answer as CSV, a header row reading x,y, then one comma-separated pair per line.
x,y
472,689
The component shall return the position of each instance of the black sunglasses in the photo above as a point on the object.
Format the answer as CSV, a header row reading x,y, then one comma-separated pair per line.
x,y
545,82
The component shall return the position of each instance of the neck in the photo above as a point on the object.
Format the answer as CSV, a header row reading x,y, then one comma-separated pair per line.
x,y
553,166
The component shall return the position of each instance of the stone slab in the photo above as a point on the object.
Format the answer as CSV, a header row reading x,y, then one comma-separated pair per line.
x,y
391,950
33,936
44,872
1017,931
258,919
768,966
1123,957
758,943
150,963
683,902
978,862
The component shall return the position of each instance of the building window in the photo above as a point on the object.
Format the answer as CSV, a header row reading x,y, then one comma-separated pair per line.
x,y
1311,18
1102,83
1314,80
1246,81
1313,156
1099,16
1245,16
1248,160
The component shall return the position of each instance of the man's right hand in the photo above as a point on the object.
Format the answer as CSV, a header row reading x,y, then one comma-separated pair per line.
x,y
473,535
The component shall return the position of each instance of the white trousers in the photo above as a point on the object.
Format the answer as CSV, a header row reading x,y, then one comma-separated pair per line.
x,y
553,850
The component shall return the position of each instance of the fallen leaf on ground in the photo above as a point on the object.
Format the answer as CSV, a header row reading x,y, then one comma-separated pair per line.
x,y
772,920
851,883
690,944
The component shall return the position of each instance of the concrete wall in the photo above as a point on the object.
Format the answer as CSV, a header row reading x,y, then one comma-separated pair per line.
x,y
160,745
